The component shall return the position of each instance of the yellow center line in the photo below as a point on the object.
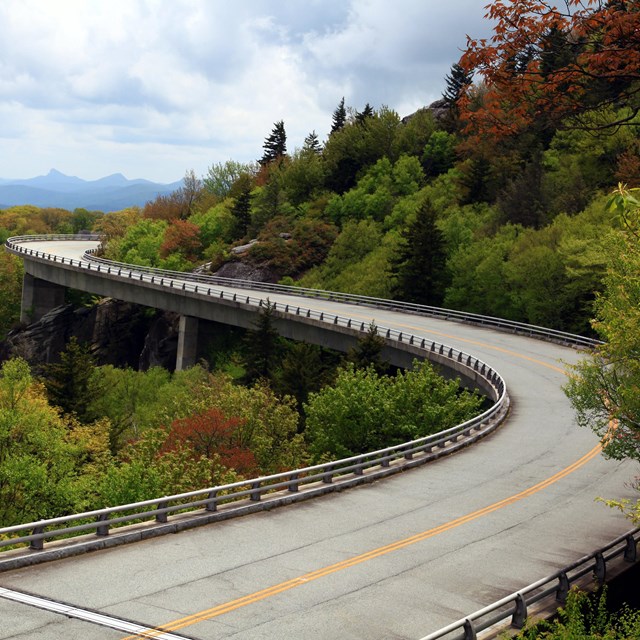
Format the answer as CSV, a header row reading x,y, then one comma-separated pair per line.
x,y
477,343
268,592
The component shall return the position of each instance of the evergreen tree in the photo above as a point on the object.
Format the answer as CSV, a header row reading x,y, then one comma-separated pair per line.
x,y
311,143
362,116
457,81
339,117
67,381
368,352
262,347
420,268
275,145
241,209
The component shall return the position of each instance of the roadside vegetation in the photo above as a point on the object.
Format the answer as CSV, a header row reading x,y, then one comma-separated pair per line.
x,y
495,202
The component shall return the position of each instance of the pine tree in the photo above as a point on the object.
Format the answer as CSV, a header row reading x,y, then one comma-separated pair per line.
x,y
241,209
420,268
362,116
68,382
339,117
311,143
368,351
275,145
262,347
457,82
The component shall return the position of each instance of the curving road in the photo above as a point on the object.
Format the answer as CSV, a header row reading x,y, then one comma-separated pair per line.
x,y
395,559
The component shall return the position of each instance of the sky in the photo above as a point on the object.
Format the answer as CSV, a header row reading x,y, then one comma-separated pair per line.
x,y
155,88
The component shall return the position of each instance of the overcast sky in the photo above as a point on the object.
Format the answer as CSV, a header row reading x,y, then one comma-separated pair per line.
x,y
153,88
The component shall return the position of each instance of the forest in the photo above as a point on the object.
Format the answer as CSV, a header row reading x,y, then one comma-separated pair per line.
x,y
496,199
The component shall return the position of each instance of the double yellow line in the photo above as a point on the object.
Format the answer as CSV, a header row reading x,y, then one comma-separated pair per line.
x,y
268,592
257,596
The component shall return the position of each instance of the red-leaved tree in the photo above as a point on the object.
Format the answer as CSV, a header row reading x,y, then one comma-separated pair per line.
x,y
213,435
554,61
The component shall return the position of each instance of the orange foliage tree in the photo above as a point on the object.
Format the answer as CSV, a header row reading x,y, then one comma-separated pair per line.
x,y
182,237
545,62
214,436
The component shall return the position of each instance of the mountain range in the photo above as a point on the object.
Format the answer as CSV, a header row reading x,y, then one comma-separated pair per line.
x,y
56,189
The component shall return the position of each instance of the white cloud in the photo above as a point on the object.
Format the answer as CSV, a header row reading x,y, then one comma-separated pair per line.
x,y
155,87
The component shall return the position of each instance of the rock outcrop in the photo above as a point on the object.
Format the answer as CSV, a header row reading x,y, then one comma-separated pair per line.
x,y
120,333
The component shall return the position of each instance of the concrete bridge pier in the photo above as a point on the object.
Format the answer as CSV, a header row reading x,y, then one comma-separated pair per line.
x,y
187,342
39,297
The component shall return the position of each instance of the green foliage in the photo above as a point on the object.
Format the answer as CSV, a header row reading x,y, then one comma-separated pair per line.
x,y
275,145
262,348
41,458
420,267
68,381
368,351
222,176
357,146
604,386
363,411
11,273
585,617
140,243
439,153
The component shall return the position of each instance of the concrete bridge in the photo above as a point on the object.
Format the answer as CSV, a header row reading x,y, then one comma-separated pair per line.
x,y
397,558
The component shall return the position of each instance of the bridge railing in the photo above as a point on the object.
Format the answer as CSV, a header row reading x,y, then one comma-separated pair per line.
x,y
515,607
277,487
501,324
347,472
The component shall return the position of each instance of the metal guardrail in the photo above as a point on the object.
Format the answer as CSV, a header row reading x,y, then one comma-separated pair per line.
x,y
348,471
516,605
520,328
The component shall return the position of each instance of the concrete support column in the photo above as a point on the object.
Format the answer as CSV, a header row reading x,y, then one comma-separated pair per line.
x,y
187,342
38,298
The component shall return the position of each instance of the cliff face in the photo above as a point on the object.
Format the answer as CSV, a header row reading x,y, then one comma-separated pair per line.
x,y
120,333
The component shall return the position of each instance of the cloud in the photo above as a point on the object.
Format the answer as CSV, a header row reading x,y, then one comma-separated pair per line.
x,y
155,87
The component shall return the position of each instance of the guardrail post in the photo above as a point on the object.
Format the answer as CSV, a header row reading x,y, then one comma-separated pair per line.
x,y
162,516
255,494
601,568
102,529
520,613
563,587
327,478
469,630
293,487
213,504
37,545
631,550
358,470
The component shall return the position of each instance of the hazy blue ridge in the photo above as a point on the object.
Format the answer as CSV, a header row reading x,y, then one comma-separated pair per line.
x,y
56,189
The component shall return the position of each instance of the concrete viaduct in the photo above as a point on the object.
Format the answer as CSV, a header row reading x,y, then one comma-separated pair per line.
x,y
397,558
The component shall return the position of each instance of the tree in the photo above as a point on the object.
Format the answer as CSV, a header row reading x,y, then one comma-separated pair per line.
x,y
275,145
40,453
367,112
222,176
214,436
311,143
561,63
457,82
262,346
363,411
420,268
11,273
241,209
368,351
68,381
181,237
604,387
339,118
